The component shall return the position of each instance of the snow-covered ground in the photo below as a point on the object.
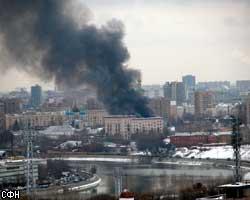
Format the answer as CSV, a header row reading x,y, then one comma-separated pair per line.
x,y
215,152
182,163
98,159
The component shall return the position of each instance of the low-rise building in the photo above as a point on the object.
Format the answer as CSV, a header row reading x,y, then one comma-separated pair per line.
x,y
58,131
223,109
15,172
192,139
224,137
186,139
70,144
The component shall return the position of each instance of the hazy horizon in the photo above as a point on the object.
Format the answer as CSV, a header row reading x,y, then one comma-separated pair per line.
x,y
166,40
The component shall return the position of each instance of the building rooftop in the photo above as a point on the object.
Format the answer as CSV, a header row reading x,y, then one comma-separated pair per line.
x,y
58,130
236,185
120,116
132,116
203,133
147,118
191,134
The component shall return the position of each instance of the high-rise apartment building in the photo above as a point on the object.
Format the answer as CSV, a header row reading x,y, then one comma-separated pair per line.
x,y
2,107
189,81
214,85
204,103
10,105
160,107
180,93
2,122
175,91
243,86
36,96
13,106
247,102
167,91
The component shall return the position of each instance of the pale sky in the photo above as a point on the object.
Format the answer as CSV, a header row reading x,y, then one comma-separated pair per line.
x,y
168,39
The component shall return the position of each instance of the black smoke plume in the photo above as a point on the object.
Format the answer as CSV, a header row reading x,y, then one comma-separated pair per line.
x,y
42,38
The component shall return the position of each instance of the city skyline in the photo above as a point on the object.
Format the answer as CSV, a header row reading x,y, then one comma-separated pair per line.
x,y
29,82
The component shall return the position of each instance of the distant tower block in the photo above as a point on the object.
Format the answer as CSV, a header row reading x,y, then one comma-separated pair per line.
x,y
36,96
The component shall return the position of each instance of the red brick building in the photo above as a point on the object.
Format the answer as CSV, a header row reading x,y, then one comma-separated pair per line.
x,y
192,139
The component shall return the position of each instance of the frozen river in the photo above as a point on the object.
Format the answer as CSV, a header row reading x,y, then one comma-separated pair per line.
x,y
151,177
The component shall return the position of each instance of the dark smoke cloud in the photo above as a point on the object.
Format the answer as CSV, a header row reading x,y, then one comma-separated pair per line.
x,y
41,37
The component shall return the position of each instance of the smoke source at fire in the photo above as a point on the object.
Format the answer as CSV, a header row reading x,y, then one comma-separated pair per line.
x,y
42,37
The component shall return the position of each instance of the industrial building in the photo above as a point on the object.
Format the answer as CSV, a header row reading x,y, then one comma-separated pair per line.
x,y
187,139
